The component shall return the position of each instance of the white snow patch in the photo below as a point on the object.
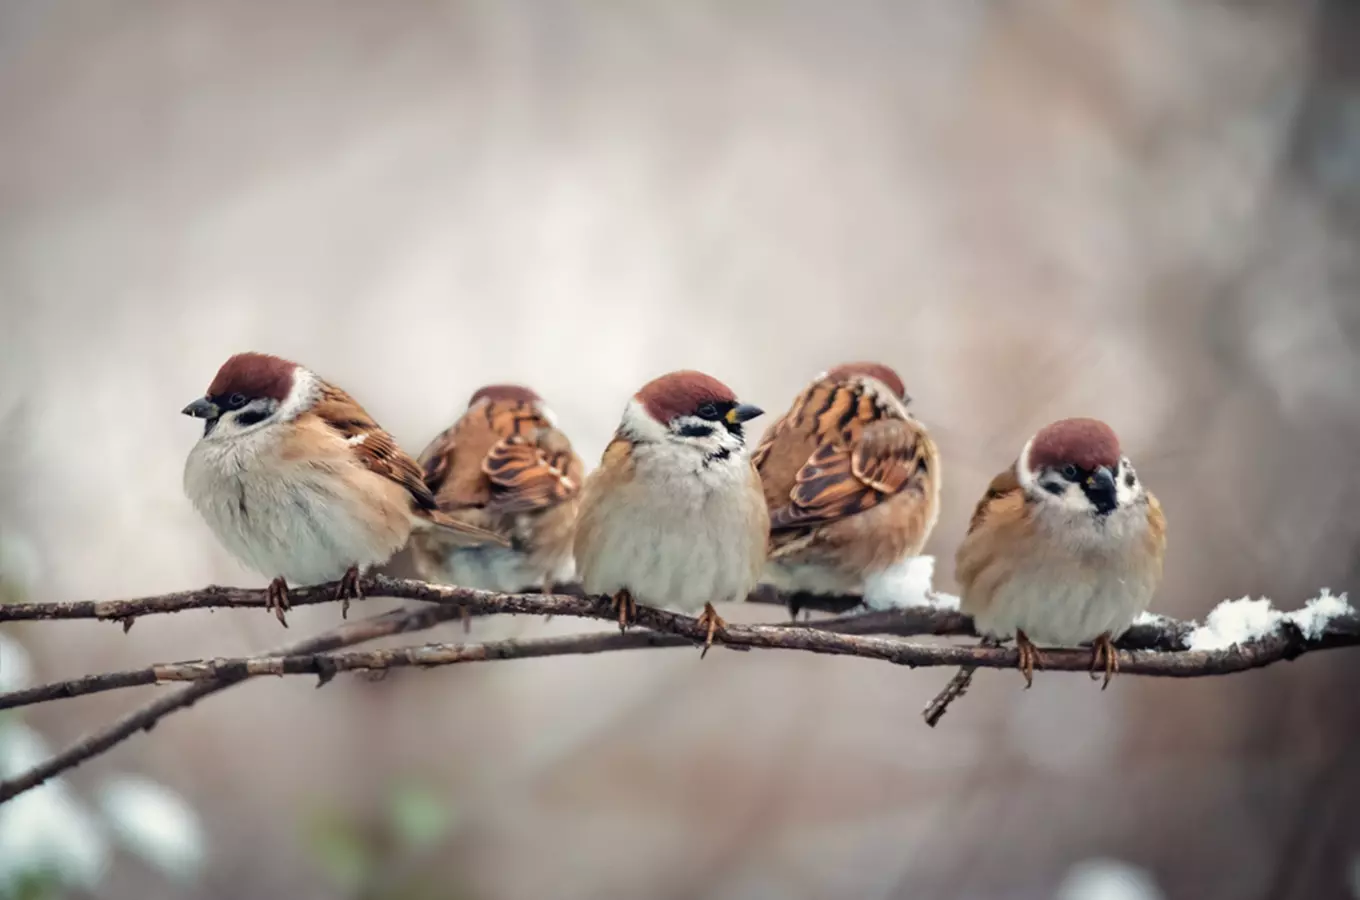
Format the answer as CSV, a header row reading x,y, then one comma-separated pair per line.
x,y
906,584
155,823
1235,622
1107,879
1147,618
1317,613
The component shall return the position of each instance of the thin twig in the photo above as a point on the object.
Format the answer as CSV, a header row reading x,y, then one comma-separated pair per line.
x,y
395,622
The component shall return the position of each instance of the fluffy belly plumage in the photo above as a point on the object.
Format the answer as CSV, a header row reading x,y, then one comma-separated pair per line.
x,y
681,561
811,578
500,569
1064,612
298,527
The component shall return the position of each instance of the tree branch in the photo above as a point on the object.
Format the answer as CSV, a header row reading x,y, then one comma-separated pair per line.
x,y
1166,634
840,636
1161,647
395,622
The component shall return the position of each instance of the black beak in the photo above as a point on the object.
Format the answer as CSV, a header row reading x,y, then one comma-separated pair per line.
x,y
1099,489
202,408
744,412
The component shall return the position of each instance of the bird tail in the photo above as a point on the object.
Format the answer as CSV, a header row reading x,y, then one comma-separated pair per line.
x,y
451,529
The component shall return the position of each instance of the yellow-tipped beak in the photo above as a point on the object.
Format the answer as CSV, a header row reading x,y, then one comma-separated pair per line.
x,y
743,412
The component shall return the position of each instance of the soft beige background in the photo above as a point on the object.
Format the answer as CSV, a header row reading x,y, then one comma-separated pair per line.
x,y
1138,209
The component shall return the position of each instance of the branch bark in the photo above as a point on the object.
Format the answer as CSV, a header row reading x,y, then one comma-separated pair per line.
x,y
1157,649
1167,634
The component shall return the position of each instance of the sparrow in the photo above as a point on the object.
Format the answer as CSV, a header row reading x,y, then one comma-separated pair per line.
x,y
674,516
1065,548
299,483
504,467
852,482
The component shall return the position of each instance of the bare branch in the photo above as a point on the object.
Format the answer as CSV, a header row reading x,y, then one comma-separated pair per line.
x,y
1159,648
395,622
831,636
1166,635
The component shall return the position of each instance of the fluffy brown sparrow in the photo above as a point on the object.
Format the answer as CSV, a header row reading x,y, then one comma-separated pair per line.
x,y
674,515
299,483
503,466
852,481
1064,549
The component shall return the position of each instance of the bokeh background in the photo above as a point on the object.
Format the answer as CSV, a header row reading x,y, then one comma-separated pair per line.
x,y
1144,210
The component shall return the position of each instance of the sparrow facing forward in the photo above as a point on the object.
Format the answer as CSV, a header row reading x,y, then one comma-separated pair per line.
x,y
1065,548
503,466
674,516
299,483
852,482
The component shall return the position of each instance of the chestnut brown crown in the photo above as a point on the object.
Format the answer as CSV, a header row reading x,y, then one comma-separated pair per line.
x,y
1084,443
681,394
254,375
515,393
873,370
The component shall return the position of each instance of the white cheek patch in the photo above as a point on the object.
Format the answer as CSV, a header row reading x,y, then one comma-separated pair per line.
x,y
1022,472
357,439
642,427
1074,499
1124,492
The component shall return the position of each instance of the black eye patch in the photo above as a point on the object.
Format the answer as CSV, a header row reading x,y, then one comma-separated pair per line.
x,y
252,416
694,430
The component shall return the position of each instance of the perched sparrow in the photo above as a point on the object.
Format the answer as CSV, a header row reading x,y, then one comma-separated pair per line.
x,y
674,515
505,467
1064,549
852,481
299,483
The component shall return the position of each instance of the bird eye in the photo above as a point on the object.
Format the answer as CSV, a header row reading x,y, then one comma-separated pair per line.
x,y
236,401
708,411
1069,472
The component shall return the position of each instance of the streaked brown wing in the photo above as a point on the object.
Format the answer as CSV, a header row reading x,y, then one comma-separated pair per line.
x,y
374,447
840,480
527,476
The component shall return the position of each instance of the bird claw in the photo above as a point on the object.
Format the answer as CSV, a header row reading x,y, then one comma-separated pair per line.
x,y
276,600
1103,646
1029,658
710,619
348,589
626,608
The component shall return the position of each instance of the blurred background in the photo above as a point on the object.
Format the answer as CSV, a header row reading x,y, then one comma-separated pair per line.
x,y
1143,210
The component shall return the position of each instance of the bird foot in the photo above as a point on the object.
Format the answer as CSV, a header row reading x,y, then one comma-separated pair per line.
x,y
710,619
1103,646
276,600
625,607
348,589
1029,658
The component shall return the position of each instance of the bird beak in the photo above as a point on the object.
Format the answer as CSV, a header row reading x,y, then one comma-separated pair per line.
x,y
744,412
1100,489
1101,480
202,408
